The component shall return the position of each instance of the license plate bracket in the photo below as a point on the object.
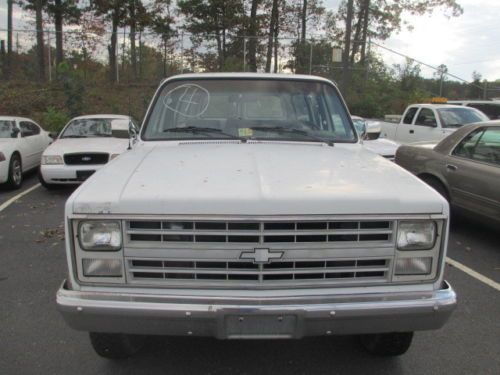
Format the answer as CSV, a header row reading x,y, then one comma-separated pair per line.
x,y
83,175
260,326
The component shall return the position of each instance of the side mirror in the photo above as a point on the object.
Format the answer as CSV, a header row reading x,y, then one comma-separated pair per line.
x,y
15,132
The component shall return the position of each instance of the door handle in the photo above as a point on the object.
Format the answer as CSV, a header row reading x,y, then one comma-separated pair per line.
x,y
451,167
412,131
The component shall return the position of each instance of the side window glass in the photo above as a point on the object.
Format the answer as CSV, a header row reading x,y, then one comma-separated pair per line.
x,y
465,149
409,115
426,117
35,129
26,130
488,147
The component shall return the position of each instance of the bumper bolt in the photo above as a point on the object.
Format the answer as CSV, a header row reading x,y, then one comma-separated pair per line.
x,y
240,319
188,313
332,313
79,309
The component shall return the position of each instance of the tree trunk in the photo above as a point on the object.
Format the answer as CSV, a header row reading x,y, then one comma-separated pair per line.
x,y
58,25
112,48
357,34
365,31
276,46
10,4
347,47
133,54
252,45
304,21
39,40
272,26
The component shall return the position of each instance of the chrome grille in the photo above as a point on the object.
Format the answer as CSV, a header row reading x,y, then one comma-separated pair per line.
x,y
283,271
252,232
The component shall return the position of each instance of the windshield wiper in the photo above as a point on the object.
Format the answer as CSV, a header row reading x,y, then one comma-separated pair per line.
x,y
453,125
283,130
199,129
74,136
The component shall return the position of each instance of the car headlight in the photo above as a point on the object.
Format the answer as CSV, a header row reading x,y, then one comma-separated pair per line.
x,y
416,235
52,159
100,235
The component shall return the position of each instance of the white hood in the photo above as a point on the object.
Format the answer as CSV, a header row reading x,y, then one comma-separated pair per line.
x,y
382,146
109,145
197,178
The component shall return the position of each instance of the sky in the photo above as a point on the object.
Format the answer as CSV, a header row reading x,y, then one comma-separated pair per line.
x,y
465,44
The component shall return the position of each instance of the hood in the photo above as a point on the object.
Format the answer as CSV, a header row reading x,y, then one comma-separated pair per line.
x,y
205,178
76,145
382,146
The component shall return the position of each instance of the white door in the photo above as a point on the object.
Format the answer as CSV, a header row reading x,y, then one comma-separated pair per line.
x,y
405,128
426,127
30,144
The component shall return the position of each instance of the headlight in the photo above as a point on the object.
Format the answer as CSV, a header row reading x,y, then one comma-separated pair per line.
x,y
100,235
52,159
416,235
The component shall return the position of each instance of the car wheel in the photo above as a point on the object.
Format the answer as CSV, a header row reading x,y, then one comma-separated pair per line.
x,y
44,183
116,345
437,185
387,344
15,179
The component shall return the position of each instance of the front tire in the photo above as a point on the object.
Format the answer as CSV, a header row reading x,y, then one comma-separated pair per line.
x,y
387,344
116,345
15,179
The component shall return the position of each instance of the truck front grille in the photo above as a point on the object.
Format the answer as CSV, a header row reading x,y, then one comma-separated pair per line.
x,y
276,272
171,232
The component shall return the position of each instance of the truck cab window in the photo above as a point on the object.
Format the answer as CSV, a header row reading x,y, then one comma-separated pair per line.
x,y
426,117
408,119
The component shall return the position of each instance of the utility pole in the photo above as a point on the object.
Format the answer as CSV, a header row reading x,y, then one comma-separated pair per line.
x,y
347,46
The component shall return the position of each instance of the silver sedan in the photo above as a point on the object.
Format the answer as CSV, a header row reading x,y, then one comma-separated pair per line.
x,y
464,167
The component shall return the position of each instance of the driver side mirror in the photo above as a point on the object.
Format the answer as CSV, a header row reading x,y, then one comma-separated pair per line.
x,y
15,132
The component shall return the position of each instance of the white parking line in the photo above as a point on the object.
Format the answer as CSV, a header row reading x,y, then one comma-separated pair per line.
x,y
473,273
15,198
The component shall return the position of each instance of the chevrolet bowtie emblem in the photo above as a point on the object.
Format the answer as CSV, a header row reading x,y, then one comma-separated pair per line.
x,y
261,256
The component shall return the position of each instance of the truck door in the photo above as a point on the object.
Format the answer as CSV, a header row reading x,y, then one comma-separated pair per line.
x,y
426,127
405,127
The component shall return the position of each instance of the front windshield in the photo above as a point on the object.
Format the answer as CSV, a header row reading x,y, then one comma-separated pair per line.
x,y
456,117
6,128
92,127
248,109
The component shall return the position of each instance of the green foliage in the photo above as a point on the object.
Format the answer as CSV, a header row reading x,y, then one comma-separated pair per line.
x,y
54,120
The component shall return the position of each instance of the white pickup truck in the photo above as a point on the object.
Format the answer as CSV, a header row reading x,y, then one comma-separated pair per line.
x,y
249,209
430,122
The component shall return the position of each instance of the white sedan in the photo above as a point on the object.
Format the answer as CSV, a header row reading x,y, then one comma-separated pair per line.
x,y
84,145
22,142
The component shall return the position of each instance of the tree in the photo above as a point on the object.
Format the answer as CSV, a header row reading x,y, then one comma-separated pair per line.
x,y
253,33
273,25
38,6
10,4
138,19
63,12
213,20
379,19
161,23
114,11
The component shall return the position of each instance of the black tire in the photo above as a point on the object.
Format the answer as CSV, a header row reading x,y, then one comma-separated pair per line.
x,y
15,179
437,185
387,344
44,183
116,345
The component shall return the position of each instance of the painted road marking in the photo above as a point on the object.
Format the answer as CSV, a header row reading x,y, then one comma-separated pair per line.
x,y
474,274
15,198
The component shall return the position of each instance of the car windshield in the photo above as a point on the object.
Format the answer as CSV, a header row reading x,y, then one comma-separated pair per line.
x,y
91,127
6,128
456,117
277,109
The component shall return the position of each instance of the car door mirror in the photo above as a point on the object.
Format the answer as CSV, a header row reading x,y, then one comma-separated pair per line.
x,y
15,133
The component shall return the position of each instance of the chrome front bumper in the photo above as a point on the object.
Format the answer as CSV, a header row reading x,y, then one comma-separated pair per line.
x,y
245,319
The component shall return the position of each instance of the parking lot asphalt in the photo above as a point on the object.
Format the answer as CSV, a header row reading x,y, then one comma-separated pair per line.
x,y
35,340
